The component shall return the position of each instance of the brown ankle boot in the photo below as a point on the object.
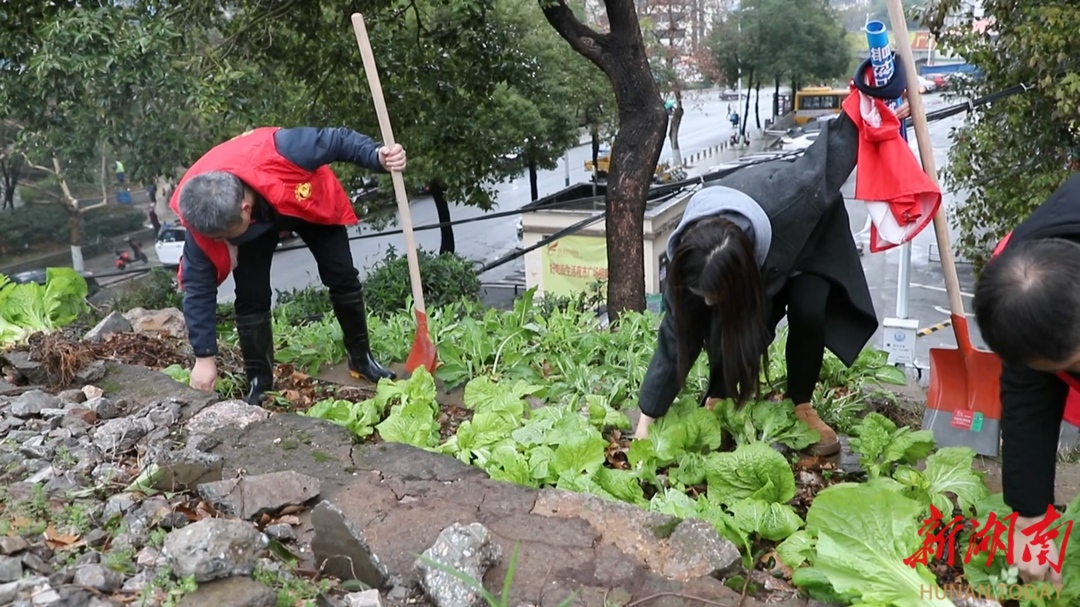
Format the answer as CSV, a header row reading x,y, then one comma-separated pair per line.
x,y
829,444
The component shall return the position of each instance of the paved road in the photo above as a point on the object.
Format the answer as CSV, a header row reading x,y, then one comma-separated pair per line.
x,y
704,125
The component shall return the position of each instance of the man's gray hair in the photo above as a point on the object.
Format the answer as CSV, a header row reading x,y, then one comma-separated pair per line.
x,y
210,202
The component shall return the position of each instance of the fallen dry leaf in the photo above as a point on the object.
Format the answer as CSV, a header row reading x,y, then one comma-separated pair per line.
x,y
292,509
59,541
288,519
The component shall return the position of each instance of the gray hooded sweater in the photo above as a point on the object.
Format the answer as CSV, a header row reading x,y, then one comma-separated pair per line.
x,y
733,205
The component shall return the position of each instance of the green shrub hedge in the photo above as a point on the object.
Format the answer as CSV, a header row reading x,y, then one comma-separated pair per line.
x,y
42,226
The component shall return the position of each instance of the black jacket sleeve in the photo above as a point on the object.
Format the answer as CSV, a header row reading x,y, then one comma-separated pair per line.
x,y
200,298
661,383
310,147
1032,404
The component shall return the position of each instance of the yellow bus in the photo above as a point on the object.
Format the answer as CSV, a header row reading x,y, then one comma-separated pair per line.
x,y
813,102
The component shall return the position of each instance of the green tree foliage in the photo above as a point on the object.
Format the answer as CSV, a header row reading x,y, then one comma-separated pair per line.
x,y
800,40
992,160
466,84
88,81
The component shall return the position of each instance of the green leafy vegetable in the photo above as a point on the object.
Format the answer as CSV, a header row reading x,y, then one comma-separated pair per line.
x,y
949,470
862,534
766,421
881,445
28,308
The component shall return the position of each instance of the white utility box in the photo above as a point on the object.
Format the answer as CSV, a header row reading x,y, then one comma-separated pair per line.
x,y
899,339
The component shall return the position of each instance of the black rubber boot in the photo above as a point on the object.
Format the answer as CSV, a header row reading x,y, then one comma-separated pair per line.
x,y
257,344
351,315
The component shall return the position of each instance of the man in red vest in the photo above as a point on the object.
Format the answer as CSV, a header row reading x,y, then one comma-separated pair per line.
x,y
1027,306
234,202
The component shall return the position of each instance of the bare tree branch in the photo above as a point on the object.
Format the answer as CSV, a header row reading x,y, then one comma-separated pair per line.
x,y
581,37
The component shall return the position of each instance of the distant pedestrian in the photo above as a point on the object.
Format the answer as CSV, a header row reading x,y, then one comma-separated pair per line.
x,y
154,221
151,190
120,171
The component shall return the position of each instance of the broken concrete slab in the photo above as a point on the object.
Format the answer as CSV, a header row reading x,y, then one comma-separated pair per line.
x,y
141,387
183,470
250,497
341,550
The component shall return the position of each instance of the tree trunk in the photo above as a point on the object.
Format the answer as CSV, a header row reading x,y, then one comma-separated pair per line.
x,y
746,109
757,104
442,209
534,189
75,236
673,130
637,146
776,98
9,171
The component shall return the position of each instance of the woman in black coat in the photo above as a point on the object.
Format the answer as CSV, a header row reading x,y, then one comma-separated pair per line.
x,y
768,241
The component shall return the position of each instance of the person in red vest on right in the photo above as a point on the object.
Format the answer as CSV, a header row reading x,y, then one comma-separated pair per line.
x,y
1027,307
235,201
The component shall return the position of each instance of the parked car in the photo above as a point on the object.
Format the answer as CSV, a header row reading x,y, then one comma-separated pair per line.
x,y
170,245
39,276
731,95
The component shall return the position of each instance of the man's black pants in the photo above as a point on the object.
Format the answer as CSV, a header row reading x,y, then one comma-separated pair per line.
x,y
328,244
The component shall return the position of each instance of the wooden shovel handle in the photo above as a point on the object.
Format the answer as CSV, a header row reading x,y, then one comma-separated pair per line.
x,y
926,154
388,140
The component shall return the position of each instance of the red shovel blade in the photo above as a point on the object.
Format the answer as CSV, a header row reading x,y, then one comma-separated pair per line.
x,y
423,353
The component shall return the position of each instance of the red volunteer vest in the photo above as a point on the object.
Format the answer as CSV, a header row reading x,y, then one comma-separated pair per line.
x,y
1072,402
314,196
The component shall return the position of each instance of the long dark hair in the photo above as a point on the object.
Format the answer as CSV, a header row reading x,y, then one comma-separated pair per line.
x,y
715,261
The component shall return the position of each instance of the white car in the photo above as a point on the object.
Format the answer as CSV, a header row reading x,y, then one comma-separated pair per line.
x,y
170,245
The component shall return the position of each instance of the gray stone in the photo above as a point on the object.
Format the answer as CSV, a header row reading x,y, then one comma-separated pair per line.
x,y
148,557
98,577
213,548
10,568
36,563
699,551
113,323
468,549
231,592
281,531
367,598
73,396
182,470
252,496
29,404
12,544
341,550
91,373
118,505
104,408
120,435
10,592
229,415
60,484
32,371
